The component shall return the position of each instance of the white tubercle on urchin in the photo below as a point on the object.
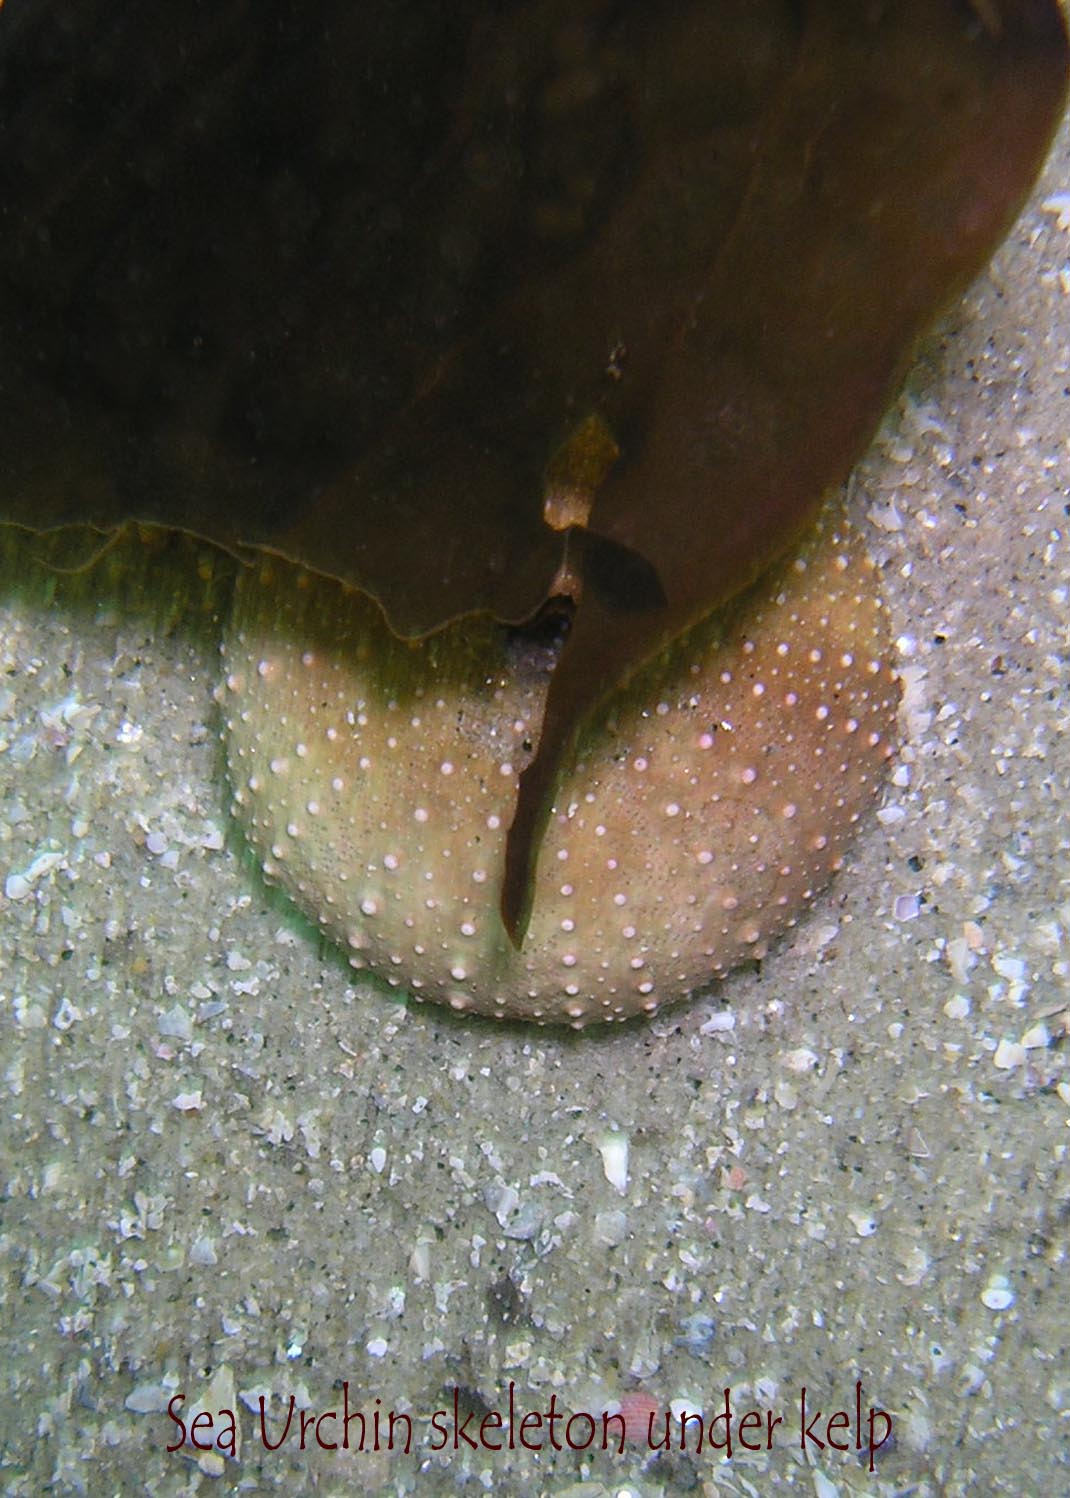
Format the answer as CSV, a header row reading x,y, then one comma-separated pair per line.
x,y
711,800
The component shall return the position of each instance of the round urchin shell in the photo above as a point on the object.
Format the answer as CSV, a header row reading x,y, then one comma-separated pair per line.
x,y
708,803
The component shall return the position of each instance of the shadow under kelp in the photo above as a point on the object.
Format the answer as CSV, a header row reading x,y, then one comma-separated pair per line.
x,y
167,580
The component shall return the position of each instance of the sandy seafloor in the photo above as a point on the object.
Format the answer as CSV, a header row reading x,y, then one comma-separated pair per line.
x,y
226,1166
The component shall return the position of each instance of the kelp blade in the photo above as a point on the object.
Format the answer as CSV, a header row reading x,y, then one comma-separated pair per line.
x,y
346,281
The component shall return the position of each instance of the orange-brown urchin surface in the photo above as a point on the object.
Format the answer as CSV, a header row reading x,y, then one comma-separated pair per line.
x,y
376,778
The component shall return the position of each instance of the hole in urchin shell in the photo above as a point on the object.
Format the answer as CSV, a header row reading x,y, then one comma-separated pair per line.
x,y
536,644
